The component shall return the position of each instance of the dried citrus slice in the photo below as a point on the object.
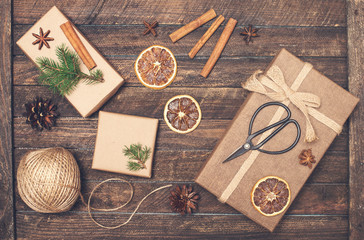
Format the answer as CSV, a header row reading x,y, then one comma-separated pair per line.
x,y
182,114
271,195
156,67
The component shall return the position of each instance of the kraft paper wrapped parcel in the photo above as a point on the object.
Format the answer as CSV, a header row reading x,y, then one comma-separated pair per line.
x,y
328,106
85,98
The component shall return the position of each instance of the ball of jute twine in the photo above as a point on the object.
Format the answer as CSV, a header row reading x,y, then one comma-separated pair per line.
x,y
49,182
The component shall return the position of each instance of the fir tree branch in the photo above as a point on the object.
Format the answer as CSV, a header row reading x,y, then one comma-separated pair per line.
x,y
63,76
138,153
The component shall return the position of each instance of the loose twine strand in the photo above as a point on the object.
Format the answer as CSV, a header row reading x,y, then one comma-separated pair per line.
x,y
89,208
49,182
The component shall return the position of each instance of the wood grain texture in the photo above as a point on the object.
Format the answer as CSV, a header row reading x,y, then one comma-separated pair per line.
x,y
229,72
315,30
355,19
81,133
215,103
279,12
166,226
183,166
113,194
115,40
6,167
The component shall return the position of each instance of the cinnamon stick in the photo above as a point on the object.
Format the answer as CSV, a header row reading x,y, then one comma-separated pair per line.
x,y
183,31
220,45
206,36
76,43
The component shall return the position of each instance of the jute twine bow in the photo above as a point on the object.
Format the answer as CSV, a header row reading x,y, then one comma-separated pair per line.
x,y
279,91
305,102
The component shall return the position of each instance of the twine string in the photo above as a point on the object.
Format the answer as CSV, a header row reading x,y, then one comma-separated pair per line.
x,y
89,208
49,182
306,102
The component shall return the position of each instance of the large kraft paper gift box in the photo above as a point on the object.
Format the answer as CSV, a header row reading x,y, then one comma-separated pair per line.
x,y
232,182
85,98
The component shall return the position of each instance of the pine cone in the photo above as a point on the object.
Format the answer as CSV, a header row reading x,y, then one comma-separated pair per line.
x,y
41,114
183,200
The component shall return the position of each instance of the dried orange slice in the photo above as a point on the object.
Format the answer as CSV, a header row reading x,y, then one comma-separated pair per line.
x,y
182,114
271,195
156,67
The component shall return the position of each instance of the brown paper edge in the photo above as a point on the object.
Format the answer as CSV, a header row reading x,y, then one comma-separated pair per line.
x,y
232,121
271,229
152,155
108,96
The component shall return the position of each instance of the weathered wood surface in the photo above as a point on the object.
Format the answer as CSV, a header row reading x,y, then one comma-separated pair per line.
x,y
355,19
279,12
162,226
315,30
115,40
228,73
175,166
6,161
314,199
81,133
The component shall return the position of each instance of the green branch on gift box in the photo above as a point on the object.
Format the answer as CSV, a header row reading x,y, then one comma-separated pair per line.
x,y
63,76
137,155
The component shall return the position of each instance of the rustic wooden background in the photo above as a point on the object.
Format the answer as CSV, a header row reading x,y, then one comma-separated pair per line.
x,y
327,33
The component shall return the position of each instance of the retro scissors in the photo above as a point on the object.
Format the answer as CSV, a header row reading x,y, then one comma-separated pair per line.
x,y
248,145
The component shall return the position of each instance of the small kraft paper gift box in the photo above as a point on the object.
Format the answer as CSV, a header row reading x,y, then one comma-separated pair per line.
x,y
320,107
125,144
86,98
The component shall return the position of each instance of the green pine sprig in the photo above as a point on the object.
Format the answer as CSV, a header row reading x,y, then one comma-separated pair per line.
x,y
137,153
63,76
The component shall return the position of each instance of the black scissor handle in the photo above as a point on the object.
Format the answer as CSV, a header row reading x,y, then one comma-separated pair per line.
x,y
283,123
275,132
270,126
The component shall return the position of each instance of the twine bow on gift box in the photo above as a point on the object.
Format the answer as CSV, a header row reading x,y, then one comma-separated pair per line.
x,y
305,102
281,92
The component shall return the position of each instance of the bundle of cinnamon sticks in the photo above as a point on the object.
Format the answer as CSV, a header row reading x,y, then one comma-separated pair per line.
x,y
220,45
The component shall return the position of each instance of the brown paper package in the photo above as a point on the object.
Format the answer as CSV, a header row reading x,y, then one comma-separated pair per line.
x,y
85,98
118,130
336,103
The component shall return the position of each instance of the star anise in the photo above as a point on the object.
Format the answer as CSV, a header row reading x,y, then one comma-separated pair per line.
x,y
42,39
306,158
150,28
183,200
249,33
41,114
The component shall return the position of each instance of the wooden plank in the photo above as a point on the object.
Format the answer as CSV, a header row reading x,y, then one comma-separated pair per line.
x,y
215,103
355,19
129,40
181,165
228,72
313,199
294,13
81,133
78,225
6,157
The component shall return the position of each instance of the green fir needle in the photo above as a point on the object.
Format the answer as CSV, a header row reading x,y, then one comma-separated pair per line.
x,y
63,76
137,155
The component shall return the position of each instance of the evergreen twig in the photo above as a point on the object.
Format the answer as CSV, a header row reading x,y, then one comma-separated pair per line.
x,y
63,76
138,153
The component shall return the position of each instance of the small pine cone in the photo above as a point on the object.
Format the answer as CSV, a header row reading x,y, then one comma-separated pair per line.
x,y
41,114
183,200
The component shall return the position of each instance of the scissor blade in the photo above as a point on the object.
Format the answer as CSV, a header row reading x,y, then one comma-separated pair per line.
x,y
238,152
